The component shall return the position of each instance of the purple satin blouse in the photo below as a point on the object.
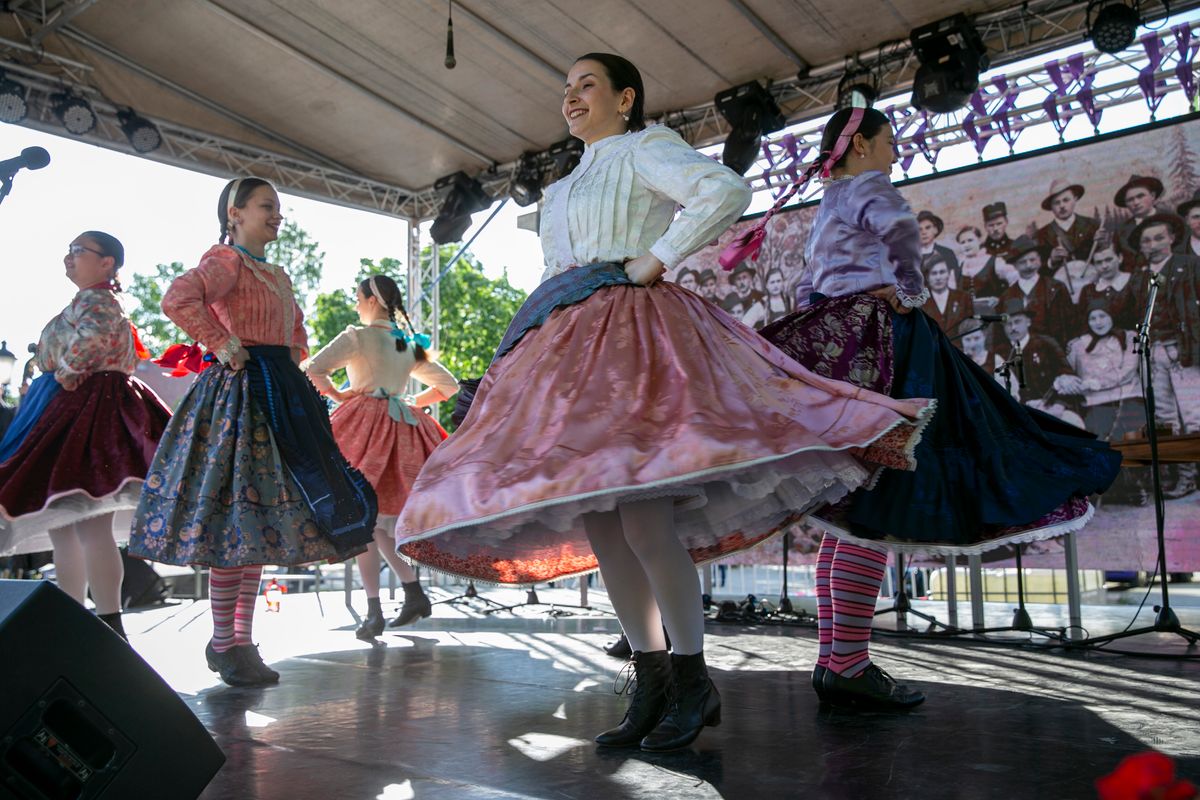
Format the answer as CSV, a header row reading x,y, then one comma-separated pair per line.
x,y
864,237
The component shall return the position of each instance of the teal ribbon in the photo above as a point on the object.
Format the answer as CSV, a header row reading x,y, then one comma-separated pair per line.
x,y
422,340
397,408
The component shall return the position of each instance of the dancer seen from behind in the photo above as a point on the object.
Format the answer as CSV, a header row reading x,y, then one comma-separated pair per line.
x,y
248,472
384,434
990,472
84,436
628,423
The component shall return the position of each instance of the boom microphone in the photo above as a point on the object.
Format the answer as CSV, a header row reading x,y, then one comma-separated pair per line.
x,y
450,61
30,158
990,317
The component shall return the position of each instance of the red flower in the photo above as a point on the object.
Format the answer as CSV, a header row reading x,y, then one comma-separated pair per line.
x,y
1144,776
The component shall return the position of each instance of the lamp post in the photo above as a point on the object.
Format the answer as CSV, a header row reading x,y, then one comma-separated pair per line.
x,y
8,362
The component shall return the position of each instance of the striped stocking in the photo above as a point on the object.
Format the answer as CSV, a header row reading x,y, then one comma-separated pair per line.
x,y
824,600
854,581
243,620
223,588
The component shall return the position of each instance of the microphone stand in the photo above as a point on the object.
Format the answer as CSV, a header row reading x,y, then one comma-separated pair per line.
x,y
1022,623
5,187
1165,620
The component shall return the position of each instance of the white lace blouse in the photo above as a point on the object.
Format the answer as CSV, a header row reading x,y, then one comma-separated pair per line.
x,y
620,202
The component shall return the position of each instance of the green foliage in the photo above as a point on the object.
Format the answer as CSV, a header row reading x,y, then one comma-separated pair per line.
x,y
300,256
475,312
156,330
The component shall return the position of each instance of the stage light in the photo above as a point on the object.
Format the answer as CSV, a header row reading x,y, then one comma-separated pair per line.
x,y
525,187
142,134
8,362
565,157
857,89
951,55
13,106
751,112
464,196
1115,26
75,114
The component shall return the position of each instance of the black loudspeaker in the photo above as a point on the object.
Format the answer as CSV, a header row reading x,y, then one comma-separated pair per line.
x,y
141,586
82,716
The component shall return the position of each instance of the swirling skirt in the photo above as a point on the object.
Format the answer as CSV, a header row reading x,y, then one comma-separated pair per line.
x,y
990,471
85,454
218,493
389,453
637,393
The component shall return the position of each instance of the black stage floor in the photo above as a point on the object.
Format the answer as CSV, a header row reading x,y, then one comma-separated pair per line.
x,y
465,706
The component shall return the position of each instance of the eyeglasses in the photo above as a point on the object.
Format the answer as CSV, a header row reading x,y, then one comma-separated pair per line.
x,y
78,250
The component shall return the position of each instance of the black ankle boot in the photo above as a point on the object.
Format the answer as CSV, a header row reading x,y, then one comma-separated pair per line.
x,y
232,666
871,690
416,604
818,682
620,648
373,622
114,621
652,673
694,703
255,661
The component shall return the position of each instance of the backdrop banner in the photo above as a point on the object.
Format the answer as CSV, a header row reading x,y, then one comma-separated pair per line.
x,y
1081,207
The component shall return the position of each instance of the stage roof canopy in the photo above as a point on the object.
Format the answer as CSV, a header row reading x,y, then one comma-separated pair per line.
x,y
356,90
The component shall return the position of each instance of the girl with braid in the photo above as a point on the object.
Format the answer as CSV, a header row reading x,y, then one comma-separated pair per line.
x,y
248,472
382,432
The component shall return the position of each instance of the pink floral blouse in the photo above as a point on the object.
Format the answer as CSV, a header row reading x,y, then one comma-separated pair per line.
x,y
90,335
231,301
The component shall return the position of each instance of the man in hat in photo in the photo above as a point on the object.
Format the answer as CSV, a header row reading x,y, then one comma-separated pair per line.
x,y
1047,301
945,306
742,277
1069,236
995,222
1041,358
1139,196
1190,213
708,285
1174,332
929,228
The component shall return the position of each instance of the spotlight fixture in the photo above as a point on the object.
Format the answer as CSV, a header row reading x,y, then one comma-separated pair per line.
x,y
142,134
1115,25
564,156
13,106
75,113
464,196
951,55
525,187
858,88
751,112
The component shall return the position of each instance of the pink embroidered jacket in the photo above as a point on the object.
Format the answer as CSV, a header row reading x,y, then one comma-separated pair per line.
x,y
231,301
90,335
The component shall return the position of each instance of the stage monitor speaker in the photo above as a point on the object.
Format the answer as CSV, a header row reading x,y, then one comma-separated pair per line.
x,y
82,716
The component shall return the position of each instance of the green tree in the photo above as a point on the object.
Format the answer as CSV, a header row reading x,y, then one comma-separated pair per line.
x,y
300,256
156,330
475,312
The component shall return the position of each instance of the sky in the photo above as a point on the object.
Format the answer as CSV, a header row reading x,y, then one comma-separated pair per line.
x,y
163,213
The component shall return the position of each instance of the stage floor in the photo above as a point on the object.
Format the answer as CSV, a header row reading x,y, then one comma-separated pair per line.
x,y
465,706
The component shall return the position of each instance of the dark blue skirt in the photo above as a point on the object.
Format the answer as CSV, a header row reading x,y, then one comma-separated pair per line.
x,y
990,471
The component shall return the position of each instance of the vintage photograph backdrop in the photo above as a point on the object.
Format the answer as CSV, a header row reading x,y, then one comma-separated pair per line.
x,y
1157,165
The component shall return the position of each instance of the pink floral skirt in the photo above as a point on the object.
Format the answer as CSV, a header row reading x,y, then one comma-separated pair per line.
x,y
638,393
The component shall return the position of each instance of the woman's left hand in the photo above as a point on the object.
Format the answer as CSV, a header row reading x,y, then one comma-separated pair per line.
x,y
645,270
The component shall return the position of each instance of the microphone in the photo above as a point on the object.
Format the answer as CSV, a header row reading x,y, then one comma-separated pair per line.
x,y
30,158
450,60
990,317
1019,363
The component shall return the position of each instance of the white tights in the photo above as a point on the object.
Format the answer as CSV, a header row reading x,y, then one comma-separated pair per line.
x,y
650,577
85,554
368,563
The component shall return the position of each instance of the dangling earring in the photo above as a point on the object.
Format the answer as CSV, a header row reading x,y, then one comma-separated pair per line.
x,y
625,117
